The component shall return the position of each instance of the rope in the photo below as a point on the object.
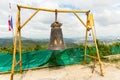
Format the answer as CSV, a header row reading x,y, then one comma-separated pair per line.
x,y
95,32
55,15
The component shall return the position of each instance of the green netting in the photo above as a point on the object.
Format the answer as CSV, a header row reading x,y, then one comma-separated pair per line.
x,y
29,59
66,57
5,62
47,58
116,49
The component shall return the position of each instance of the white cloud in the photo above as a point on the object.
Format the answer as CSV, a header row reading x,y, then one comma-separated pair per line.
x,y
108,17
106,13
4,31
108,31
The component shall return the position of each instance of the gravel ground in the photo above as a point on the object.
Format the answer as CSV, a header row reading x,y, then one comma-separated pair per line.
x,y
71,72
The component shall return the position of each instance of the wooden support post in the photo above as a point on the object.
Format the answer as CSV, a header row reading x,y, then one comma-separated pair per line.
x,y
20,50
86,39
17,63
19,27
14,58
80,19
15,42
29,19
98,56
92,57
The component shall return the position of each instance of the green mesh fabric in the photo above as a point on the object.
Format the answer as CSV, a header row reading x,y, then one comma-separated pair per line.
x,y
116,49
47,58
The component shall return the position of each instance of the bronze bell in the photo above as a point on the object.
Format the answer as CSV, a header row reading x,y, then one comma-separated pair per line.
x,y
56,37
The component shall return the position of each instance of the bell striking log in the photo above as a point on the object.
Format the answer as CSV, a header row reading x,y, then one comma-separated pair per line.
x,y
56,37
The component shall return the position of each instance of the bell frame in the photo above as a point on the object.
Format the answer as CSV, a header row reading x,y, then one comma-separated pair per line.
x,y
19,26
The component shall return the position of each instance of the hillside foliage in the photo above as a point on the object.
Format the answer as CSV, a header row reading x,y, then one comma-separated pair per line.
x,y
28,45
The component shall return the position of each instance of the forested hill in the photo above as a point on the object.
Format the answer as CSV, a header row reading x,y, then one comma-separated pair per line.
x,y
6,44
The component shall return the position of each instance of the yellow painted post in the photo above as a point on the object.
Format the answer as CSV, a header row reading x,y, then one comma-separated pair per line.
x,y
100,63
14,58
80,19
29,19
15,42
86,39
20,50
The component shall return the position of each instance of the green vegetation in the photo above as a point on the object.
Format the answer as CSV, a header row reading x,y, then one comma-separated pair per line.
x,y
74,55
29,45
6,49
109,49
104,49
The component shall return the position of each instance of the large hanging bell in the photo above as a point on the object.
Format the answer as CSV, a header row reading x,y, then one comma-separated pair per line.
x,y
56,37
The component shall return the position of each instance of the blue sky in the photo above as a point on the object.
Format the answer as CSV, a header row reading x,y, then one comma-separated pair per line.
x,y
106,16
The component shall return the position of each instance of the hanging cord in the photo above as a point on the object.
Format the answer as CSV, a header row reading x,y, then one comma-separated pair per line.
x,y
55,15
89,33
95,32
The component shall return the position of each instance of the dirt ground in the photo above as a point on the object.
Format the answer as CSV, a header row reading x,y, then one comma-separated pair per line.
x,y
71,72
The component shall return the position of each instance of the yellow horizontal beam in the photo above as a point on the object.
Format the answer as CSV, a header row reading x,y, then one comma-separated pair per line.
x,y
53,10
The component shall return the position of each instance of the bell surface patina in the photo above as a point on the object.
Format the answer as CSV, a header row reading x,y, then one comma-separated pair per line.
x,y
56,37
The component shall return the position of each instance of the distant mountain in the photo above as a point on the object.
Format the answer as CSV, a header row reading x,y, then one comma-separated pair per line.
x,y
4,42
109,39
